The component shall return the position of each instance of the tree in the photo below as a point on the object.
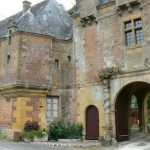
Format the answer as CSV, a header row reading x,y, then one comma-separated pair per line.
x,y
71,11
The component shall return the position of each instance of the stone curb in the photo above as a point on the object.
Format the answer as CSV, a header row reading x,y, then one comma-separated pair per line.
x,y
73,145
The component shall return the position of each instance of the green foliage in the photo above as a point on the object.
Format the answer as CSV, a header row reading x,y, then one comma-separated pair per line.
x,y
2,135
28,135
31,135
32,129
71,11
40,133
61,130
148,102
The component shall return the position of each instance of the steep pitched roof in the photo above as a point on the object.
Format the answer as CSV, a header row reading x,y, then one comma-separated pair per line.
x,y
47,17
102,2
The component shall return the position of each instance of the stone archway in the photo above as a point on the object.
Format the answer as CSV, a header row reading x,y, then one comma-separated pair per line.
x,y
123,109
92,123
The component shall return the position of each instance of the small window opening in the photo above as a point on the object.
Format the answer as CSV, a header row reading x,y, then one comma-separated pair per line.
x,y
10,32
9,37
56,64
69,58
9,40
8,59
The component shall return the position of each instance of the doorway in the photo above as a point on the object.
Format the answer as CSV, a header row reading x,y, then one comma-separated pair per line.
x,y
92,123
129,114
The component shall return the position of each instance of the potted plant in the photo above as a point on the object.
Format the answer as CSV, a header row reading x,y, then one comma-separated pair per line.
x,y
33,133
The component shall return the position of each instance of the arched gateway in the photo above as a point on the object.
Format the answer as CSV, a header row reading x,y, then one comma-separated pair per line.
x,y
131,110
92,123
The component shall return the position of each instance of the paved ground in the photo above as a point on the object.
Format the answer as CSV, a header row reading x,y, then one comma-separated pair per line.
x,y
25,146
28,146
140,143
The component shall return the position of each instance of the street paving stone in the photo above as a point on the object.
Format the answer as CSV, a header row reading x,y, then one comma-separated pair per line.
x,y
141,143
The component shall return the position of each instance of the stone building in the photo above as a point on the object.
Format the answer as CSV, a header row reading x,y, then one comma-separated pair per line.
x,y
101,78
112,80
35,65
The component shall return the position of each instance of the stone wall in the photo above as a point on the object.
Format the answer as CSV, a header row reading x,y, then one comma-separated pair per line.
x,y
9,60
28,108
34,58
6,109
99,45
30,76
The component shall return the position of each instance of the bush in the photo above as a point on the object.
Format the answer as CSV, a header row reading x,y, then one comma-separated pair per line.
x,y
61,130
40,133
72,10
2,135
31,126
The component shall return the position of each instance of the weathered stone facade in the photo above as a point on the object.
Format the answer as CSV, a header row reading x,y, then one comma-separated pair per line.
x,y
34,64
105,65
94,75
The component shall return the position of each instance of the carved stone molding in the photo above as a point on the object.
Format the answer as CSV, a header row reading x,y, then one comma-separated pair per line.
x,y
11,24
128,5
106,76
103,4
89,20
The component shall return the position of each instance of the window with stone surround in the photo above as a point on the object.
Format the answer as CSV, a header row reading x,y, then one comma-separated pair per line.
x,y
52,107
133,32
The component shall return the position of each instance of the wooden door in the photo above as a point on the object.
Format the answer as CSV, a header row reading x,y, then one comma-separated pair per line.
x,y
92,123
122,111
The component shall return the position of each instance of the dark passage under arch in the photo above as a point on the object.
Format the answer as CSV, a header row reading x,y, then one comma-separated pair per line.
x,y
124,112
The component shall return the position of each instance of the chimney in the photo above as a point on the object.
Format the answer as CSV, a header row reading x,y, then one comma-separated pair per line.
x,y
26,5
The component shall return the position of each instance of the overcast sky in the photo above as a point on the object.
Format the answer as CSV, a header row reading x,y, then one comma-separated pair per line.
x,y
10,7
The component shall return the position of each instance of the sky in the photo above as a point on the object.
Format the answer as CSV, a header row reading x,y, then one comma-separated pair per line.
x,y
10,7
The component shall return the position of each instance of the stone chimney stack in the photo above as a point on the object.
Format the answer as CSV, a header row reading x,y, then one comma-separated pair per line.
x,y
26,5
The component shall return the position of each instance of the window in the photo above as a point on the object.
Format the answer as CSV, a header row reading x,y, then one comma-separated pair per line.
x,y
128,25
8,59
56,64
137,22
9,40
9,37
69,58
52,107
139,36
133,32
129,38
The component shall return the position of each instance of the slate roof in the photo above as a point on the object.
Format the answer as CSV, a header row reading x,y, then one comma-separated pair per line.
x,y
102,2
47,17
